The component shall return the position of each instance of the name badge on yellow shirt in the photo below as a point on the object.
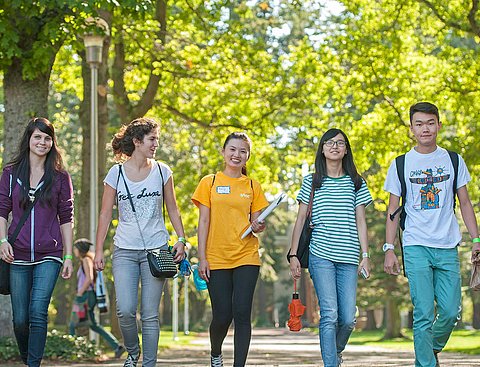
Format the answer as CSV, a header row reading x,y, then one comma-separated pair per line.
x,y
223,189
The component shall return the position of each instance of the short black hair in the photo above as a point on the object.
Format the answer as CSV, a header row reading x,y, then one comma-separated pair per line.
x,y
425,107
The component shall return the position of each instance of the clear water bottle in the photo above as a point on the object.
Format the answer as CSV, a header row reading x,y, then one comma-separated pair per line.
x,y
200,283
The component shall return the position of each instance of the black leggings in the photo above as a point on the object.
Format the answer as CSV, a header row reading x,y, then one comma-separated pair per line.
x,y
231,293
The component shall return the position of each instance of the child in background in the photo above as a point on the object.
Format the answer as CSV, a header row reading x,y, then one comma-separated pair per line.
x,y
86,275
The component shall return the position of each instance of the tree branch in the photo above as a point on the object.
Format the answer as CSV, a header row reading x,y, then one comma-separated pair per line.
x,y
148,97
207,125
197,14
471,18
397,111
120,95
450,23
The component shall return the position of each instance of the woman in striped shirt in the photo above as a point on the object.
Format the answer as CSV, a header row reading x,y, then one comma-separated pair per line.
x,y
340,230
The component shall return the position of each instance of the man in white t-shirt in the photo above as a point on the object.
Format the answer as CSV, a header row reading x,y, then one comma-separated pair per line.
x,y
431,233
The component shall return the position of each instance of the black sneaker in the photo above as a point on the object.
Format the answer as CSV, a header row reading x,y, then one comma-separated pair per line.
x,y
435,353
216,361
119,351
131,360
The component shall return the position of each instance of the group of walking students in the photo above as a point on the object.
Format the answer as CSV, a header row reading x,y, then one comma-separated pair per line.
x,y
427,178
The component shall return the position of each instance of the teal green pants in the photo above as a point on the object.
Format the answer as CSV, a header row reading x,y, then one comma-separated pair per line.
x,y
434,279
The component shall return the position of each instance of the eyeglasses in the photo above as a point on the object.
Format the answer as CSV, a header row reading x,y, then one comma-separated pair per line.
x,y
339,143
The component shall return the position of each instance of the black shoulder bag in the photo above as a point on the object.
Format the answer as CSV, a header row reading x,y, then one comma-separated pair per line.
x,y
160,261
303,249
4,266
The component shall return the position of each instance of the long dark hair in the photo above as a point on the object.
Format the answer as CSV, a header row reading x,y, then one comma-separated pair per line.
x,y
246,139
122,142
21,162
348,164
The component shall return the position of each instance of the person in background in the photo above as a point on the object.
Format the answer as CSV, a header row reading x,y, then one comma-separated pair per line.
x,y
339,232
44,242
136,144
230,201
86,276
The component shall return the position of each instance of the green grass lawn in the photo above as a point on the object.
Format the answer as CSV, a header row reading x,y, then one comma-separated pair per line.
x,y
461,341
166,339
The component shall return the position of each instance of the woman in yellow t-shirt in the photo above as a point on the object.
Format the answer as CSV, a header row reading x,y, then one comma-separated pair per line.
x,y
229,202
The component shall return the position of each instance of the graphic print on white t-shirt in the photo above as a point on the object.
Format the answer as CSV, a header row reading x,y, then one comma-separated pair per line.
x,y
426,184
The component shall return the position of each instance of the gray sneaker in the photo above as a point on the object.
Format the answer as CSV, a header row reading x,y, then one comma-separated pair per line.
x,y
216,361
131,360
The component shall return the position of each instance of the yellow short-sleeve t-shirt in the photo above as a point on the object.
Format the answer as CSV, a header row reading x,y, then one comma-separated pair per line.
x,y
230,201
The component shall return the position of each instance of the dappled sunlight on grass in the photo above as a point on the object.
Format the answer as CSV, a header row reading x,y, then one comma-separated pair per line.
x,y
461,341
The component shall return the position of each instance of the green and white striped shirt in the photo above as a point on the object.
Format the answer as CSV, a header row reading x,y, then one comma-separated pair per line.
x,y
335,235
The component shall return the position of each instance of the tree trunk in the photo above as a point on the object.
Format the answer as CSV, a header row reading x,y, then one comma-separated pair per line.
x,y
410,319
371,323
260,313
476,309
6,326
392,320
167,304
23,99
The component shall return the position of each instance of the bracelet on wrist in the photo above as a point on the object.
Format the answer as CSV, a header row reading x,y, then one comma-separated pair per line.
x,y
292,255
365,255
68,257
3,240
476,240
182,240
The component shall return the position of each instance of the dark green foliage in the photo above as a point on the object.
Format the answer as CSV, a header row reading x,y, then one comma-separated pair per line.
x,y
58,347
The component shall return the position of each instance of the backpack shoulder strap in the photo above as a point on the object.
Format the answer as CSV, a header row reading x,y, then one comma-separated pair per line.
x,y
400,164
455,160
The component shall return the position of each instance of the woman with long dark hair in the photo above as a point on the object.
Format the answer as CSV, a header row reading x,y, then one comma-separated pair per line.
x,y
340,229
44,242
230,201
148,184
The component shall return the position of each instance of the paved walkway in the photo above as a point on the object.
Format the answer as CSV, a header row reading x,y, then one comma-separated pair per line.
x,y
278,348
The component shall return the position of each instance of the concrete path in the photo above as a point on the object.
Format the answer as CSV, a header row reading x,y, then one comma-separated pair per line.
x,y
279,347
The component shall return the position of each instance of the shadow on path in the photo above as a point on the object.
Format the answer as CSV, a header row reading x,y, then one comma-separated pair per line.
x,y
278,348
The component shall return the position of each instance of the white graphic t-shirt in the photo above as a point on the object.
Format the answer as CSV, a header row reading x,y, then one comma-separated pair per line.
x,y
430,220
147,199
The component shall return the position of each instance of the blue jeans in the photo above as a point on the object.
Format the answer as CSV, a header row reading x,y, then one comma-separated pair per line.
x,y
336,287
130,267
90,298
434,276
31,290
